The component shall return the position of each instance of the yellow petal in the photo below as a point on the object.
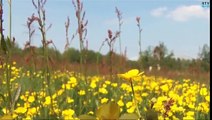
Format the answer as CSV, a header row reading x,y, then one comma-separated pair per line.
x,y
133,72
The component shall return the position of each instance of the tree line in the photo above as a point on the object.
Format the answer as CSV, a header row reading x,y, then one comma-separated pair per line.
x,y
152,56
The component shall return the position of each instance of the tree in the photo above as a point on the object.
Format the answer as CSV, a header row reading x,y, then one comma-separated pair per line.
x,y
146,58
204,56
72,55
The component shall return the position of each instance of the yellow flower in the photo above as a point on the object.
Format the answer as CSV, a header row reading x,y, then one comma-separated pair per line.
x,y
104,100
60,92
68,114
21,110
93,85
114,84
207,98
164,88
144,94
129,104
81,92
69,100
14,115
120,103
103,90
31,111
24,98
107,82
203,91
203,107
190,113
72,81
47,100
31,99
134,73
131,109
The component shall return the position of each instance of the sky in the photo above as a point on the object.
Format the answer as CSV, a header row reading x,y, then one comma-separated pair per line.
x,y
182,25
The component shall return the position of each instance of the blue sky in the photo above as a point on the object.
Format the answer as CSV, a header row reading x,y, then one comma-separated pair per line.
x,y
183,25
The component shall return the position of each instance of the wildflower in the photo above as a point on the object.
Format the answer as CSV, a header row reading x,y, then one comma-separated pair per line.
x,y
114,84
24,98
31,99
104,100
47,100
93,85
203,107
103,90
31,111
131,109
68,114
81,92
26,104
69,100
203,91
120,103
144,94
164,88
107,82
190,113
207,98
21,110
130,74
129,104
14,115
72,81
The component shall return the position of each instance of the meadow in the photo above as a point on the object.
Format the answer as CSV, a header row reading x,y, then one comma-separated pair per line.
x,y
39,90
72,97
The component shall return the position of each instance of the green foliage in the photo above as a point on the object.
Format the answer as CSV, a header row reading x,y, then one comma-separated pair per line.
x,y
146,58
204,56
92,55
72,55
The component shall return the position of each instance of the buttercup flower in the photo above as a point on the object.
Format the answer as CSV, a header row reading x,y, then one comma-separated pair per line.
x,y
134,73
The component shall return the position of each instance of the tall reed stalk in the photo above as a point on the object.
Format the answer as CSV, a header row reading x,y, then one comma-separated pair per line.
x,y
139,39
120,22
41,20
111,41
82,33
29,45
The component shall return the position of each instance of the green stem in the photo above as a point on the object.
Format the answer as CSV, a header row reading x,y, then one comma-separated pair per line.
x,y
8,70
138,111
139,42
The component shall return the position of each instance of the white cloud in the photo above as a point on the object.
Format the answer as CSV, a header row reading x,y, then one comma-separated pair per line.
x,y
185,13
159,11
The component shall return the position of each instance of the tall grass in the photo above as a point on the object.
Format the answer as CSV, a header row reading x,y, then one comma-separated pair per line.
x,y
82,33
41,21
110,42
138,19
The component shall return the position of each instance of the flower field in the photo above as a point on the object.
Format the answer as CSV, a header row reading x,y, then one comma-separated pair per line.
x,y
73,96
